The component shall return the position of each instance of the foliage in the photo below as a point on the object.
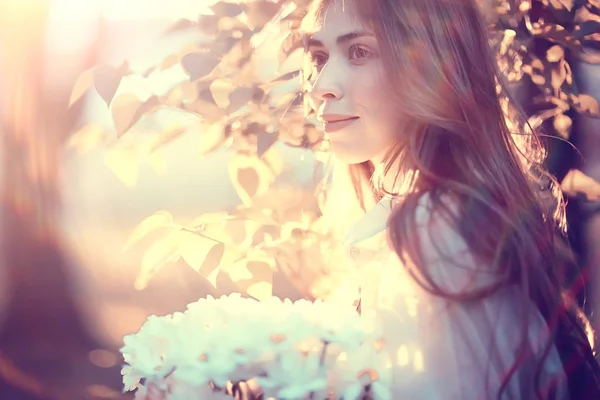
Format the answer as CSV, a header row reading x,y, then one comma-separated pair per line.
x,y
537,43
234,105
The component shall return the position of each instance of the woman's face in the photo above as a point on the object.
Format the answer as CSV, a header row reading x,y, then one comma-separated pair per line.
x,y
348,89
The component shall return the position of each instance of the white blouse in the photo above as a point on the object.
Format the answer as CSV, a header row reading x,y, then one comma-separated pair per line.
x,y
442,349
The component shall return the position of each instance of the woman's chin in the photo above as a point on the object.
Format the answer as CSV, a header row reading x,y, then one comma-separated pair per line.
x,y
347,155
350,159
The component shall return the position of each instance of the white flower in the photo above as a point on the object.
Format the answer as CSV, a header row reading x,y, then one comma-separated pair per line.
x,y
131,378
278,343
295,375
145,351
335,322
363,366
186,392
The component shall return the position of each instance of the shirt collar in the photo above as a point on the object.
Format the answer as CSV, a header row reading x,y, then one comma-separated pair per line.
x,y
371,223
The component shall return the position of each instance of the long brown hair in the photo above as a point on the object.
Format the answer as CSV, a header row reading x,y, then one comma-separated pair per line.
x,y
457,136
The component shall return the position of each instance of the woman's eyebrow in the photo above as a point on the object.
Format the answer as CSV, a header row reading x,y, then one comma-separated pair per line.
x,y
340,39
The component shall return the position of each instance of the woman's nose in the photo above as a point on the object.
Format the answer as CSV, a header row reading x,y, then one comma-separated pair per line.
x,y
327,85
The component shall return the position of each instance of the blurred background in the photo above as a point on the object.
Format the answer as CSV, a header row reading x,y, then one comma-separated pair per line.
x,y
67,287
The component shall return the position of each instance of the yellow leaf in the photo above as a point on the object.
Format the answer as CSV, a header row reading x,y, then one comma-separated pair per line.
x,y
159,254
221,90
124,110
261,290
124,164
273,160
87,138
201,253
555,53
168,135
82,85
588,104
157,162
562,124
250,176
160,219
577,183
169,62
253,277
107,80
538,79
558,75
213,137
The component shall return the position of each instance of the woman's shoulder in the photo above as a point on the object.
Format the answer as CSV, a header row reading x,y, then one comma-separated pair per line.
x,y
445,255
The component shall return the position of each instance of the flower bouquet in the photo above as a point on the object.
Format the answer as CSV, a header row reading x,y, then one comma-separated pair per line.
x,y
244,348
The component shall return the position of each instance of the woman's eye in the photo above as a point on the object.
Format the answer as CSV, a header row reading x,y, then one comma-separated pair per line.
x,y
318,59
360,53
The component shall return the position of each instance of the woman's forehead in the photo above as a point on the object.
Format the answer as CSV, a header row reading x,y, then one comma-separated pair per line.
x,y
336,18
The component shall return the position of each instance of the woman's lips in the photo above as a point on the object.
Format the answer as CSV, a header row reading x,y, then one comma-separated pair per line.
x,y
333,126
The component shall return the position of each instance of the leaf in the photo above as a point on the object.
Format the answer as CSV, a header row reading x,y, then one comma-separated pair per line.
x,y
124,164
160,219
256,279
562,4
199,64
158,162
205,107
239,98
577,183
273,160
168,135
181,25
127,109
124,110
226,9
169,62
249,180
107,80
558,75
213,137
264,141
538,79
250,176
201,253
587,105
220,90
562,124
87,138
162,252
555,53
261,12
82,85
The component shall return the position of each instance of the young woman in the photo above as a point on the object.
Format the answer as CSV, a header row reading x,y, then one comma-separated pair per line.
x,y
468,282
